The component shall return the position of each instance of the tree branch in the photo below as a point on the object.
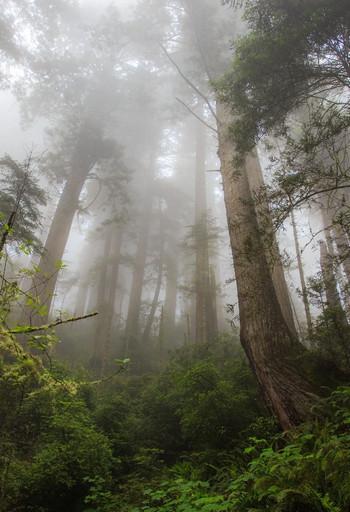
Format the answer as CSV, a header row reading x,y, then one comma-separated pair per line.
x,y
197,116
188,81
27,329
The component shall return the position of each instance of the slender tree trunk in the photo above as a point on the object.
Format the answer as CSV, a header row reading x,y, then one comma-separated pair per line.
x,y
80,305
343,250
110,302
161,338
265,336
6,230
203,327
302,277
99,342
330,282
213,303
170,291
155,301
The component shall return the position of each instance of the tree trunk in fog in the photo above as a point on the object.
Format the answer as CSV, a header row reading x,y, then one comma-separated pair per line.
x,y
343,249
256,183
133,316
80,305
265,336
302,277
204,328
213,302
339,236
169,314
148,328
113,285
106,298
161,338
330,282
44,283
103,282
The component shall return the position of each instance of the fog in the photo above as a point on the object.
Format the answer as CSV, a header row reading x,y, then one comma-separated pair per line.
x,y
112,109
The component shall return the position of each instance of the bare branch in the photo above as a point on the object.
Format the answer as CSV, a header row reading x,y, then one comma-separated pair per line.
x,y
188,81
197,116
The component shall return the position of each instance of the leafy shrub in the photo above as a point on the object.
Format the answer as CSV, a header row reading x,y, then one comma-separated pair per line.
x,y
304,471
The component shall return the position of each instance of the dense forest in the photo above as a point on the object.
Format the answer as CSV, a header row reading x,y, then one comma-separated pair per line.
x,y
175,255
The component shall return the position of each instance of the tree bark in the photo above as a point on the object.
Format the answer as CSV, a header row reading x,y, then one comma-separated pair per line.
x,y
256,184
265,336
44,283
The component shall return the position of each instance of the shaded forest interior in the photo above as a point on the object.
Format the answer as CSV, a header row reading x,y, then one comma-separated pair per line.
x,y
175,256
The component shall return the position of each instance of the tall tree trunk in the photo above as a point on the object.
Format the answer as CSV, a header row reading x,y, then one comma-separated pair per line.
x,y
333,300
256,183
80,305
155,301
169,313
134,309
302,277
265,336
203,317
44,283
99,342
110,302
343,250
330,282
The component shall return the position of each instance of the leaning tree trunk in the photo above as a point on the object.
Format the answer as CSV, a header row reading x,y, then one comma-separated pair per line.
x,y
45,282
265,336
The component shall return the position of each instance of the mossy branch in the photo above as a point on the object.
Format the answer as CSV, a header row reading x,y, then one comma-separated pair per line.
x,y
28,329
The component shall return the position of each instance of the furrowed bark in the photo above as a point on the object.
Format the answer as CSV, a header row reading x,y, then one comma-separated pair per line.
x,y
265,336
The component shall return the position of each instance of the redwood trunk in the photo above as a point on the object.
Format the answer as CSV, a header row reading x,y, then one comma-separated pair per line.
x,y
256,184
44,284
133,317
265,336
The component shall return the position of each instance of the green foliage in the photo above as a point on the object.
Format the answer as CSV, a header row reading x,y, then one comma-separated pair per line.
x,y
294,51
201,401
49,444
20,199
305,471
196,437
